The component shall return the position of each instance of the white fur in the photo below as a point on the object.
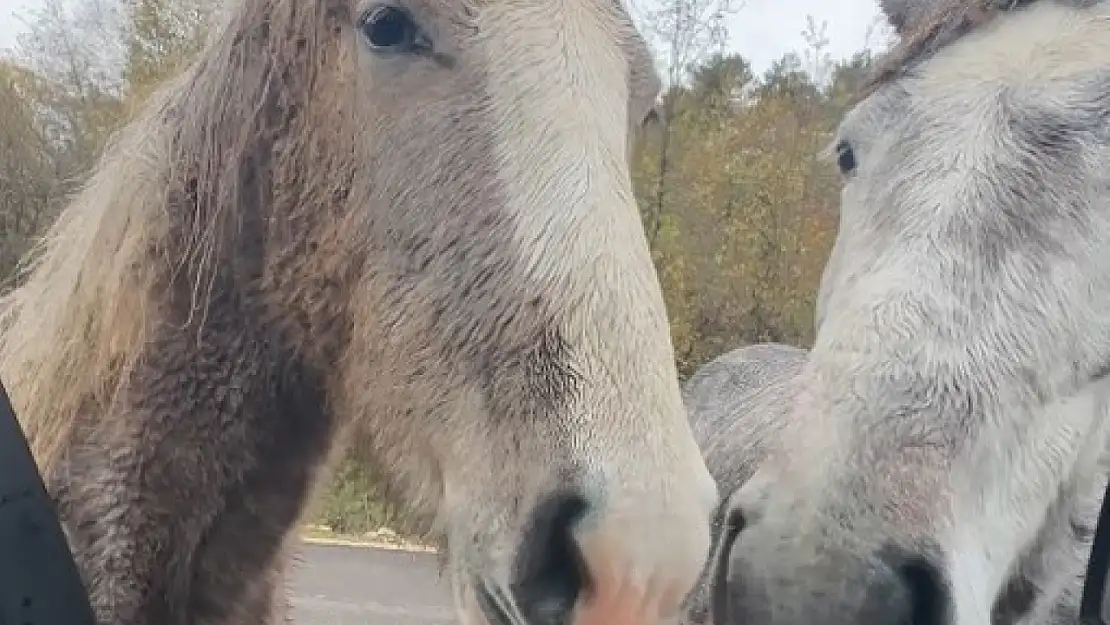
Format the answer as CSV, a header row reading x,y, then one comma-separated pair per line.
x,y
1023,456
562,149
1006,483
1001,507
957,381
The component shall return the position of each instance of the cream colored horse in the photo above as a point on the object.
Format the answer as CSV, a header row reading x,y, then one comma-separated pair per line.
x,y
415,219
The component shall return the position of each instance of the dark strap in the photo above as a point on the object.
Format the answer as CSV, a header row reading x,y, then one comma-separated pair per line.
x,y
719,601
39,582
1098,567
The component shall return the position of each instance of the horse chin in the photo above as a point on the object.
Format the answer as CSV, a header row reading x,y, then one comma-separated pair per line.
x,y
479,603
482,603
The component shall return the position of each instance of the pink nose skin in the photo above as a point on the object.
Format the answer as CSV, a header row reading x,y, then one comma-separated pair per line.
x,y
616,602
620,595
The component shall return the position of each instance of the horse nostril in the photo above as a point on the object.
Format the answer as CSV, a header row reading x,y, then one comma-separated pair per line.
x,y
549,570
928,592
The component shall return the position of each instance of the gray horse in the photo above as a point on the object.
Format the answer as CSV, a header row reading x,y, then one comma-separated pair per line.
x,y
939,455
413,219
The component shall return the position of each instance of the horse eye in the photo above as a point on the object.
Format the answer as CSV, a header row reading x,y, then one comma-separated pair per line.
x,y
845,158
391,29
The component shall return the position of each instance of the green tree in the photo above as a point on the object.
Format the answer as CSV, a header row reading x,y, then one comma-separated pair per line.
x,y
848,77
163,36
719,80
27,161
788,79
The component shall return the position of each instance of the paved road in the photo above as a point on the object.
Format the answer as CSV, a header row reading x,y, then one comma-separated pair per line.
x,y
336,585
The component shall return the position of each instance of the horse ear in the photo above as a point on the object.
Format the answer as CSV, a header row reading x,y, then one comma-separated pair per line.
x,y
903,13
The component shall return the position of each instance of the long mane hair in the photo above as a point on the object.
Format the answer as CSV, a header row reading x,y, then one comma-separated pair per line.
x,y
163,211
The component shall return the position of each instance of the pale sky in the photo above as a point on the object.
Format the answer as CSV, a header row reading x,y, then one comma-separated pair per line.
x,y
9,25
763,30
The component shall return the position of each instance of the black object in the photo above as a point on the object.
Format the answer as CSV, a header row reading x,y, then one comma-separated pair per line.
x,y
1092,605
39,582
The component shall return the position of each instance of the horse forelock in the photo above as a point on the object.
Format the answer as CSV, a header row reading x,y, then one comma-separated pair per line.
x,y
927,26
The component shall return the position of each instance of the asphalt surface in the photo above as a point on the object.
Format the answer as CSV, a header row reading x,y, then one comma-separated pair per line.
x,y
340,585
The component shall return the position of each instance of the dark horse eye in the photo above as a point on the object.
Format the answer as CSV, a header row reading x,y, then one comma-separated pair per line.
x,y
391,29
845,158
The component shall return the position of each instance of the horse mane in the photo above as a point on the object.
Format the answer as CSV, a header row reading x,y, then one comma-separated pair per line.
x,y
945,22
158,216
79,317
